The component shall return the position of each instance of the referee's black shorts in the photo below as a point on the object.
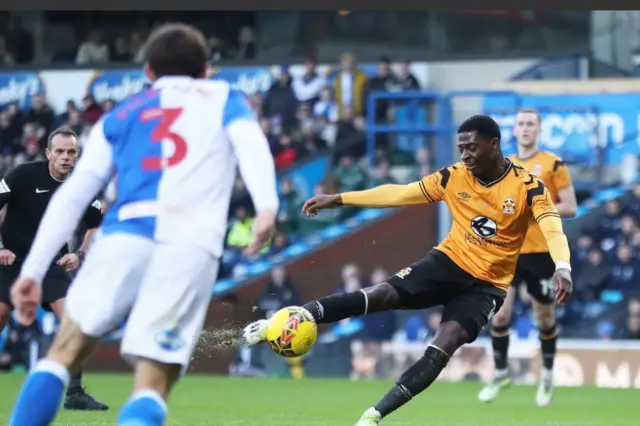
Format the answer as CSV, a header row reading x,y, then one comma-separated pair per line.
x,y
436,280
54,286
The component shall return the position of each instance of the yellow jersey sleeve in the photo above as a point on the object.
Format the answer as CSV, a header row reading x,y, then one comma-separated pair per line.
x,y
545,214
425,191
560,176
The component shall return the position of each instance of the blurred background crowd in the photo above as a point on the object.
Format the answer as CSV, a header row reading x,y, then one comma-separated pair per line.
x,y
314,113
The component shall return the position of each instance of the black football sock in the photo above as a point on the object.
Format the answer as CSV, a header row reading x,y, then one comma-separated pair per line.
x,y
413,381
75,382
338,307
548,342
500,343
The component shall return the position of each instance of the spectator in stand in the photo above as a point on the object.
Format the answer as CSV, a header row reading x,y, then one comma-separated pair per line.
x,y
280,242
93,50
278,293
21,41
310,142
326,107
6,58
349,133
610,223
265,124
40,112
286,153
633,327
33,138
381,175
9,135
281,101
378,327
405,79
384,81
120,52
624,272
290,205
323,219
74,121
593,276
241,230
628,227
246,43
633,203
218,50
350,86
64,117
136,46
308,86
92,110
350,175
583,245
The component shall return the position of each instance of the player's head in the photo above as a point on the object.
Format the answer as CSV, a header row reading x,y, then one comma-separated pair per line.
x,y
62,151
527,127
479,143
176,50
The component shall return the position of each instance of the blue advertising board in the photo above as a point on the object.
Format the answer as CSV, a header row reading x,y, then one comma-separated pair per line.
x,y
20,87
577,127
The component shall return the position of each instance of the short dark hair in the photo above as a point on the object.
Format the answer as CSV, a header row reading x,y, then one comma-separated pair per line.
x,y
177,49
531,111
64,131
485,126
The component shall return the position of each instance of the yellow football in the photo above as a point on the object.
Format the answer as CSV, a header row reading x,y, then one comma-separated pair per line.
x,y
292,332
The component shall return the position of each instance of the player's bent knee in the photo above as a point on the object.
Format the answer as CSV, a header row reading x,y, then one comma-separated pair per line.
x,y
501,320
382,297
451,335
545,315
71,346
155,375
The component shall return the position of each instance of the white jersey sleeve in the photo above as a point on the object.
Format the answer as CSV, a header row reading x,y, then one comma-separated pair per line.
x,y
69,203
252,152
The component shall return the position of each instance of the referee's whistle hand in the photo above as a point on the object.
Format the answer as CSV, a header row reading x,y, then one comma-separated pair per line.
x,y
6,257
26,296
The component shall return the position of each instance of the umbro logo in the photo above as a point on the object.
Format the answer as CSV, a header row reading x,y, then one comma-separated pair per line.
x,y
464,196
40,191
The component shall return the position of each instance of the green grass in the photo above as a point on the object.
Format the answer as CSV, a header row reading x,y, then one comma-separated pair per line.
x,y
205,400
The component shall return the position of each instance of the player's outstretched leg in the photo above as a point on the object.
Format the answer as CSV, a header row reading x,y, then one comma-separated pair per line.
x,y
545,316
500,329
76,397
330,309
449,337
40,397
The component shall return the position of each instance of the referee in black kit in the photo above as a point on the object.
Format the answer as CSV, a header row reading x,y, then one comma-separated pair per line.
x,y
26,191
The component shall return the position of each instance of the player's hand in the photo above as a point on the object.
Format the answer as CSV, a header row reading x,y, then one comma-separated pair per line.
x,y
69,261
321,202
26,296
563,285
6,257
264,226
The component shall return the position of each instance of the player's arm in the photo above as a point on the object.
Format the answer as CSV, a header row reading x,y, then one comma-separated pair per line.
x,y
69,203
255,162
7,184
547,216
567,203
427,190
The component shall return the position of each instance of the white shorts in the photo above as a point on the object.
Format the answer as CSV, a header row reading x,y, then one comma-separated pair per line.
x,y
165,290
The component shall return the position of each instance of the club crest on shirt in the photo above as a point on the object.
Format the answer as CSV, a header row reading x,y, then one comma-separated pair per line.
x,y
403,272
509,206
536,170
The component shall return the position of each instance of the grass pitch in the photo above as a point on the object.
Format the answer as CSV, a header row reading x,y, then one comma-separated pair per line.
x,y
208,400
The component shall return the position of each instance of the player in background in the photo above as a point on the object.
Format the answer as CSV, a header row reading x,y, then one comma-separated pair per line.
x,y
535,266
175,148
26,191
491,201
